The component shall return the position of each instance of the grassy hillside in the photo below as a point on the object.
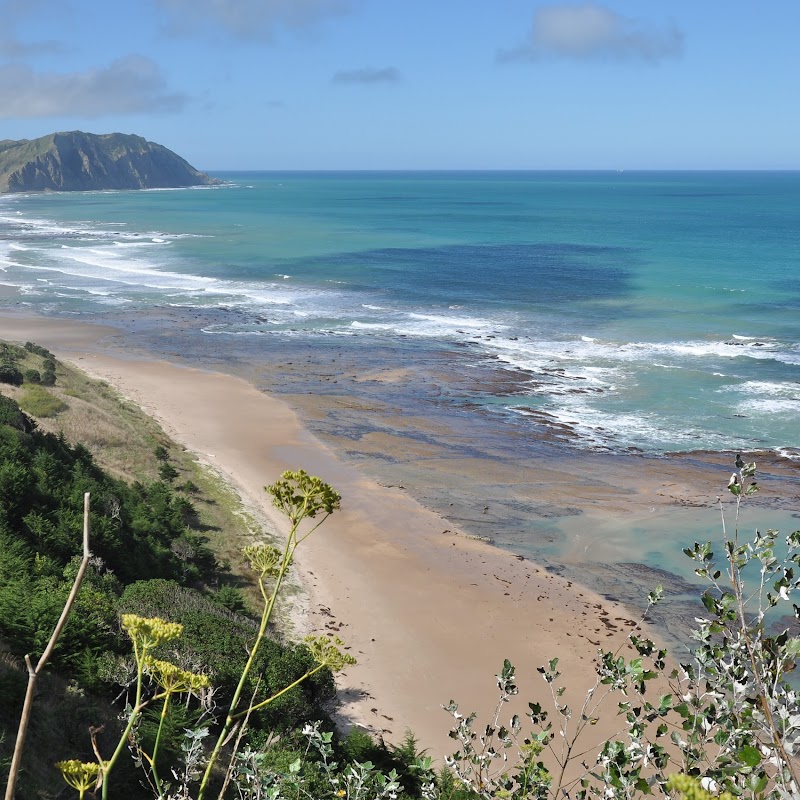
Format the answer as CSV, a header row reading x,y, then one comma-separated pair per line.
x,y
131,445
166,539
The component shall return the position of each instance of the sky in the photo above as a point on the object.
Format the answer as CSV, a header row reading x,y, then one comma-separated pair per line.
x,y
414,84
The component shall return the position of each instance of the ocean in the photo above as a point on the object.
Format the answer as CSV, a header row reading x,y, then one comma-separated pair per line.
x,y
620,313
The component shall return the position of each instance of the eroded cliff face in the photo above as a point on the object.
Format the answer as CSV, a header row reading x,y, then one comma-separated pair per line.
x,y
77,161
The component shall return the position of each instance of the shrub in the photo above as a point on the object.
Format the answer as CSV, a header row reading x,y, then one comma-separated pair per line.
x,y
10,353
32,376
231,598
167,472
12,415
40,351
281,677
10,374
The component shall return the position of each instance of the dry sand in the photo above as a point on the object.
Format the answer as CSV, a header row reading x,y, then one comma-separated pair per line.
x,y
429,614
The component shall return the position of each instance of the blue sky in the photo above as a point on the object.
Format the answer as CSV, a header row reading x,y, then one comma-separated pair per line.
x,y
414,84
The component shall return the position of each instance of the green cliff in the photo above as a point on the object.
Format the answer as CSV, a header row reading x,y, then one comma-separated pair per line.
x,y
78,161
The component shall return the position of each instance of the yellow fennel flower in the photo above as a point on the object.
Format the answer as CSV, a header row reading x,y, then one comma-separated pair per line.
x,y
326,651
79,775
150,632
174,679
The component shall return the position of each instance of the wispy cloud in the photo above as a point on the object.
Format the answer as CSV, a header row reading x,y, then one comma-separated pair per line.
x,y
367,75
588,31
10,45
250,19
13,48
130,85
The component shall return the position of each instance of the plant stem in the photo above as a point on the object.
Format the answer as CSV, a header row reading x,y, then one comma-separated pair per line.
x,y
747,636
153,767
33,673
269,604
134,715
281,692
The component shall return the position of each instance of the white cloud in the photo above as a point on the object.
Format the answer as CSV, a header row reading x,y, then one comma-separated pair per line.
x,y
250,19
589,31
367,75
130,85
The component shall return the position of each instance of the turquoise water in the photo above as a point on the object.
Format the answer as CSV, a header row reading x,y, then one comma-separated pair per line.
x,y
657,311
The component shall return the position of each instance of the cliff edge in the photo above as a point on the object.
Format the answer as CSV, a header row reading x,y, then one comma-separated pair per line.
x,y
78,161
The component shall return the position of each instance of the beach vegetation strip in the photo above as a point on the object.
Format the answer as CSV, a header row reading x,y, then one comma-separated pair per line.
x,y
131,445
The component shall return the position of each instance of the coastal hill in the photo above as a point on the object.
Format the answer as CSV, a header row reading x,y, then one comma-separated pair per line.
x,y
78,161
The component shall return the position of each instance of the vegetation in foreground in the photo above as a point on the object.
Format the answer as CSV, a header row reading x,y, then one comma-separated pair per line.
x,y
727,724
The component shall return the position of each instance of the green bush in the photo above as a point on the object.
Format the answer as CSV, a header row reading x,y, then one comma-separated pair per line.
x,y
11,375
10,353
32,376
12,415
38,350
231,598
220,640
167,472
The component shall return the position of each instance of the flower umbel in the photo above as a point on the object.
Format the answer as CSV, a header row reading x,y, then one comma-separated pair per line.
x,y
173,679
150,632
79,775
326,651
264,559
298,495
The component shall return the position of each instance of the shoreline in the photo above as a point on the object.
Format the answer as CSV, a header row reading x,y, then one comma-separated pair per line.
x,y
429,612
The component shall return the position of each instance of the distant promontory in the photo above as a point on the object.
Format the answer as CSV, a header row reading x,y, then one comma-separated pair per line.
x,y
78,161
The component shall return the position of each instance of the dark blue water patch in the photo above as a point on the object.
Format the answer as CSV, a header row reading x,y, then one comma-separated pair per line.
x,y
387,198
507,275
703,194
433,200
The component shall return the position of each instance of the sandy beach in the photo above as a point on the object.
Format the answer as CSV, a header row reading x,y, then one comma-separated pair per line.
x,y
429,613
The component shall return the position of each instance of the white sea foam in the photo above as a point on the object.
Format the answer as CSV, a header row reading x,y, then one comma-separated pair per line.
x,y
371,326
424,326
768,397
791,453
219,330
109,264
473,323
599,427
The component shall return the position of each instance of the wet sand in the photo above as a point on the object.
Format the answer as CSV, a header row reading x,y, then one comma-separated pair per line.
x,y
429,613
